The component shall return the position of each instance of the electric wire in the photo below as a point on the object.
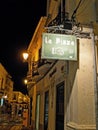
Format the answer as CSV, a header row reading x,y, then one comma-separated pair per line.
x,y
75,11
85,6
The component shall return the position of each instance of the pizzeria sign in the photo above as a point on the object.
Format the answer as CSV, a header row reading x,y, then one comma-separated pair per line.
x,y
59,46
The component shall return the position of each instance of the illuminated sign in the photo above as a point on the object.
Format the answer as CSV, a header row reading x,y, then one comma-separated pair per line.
x,y
59,46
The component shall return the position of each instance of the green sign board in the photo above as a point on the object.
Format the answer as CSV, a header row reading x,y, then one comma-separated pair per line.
x,y
59,46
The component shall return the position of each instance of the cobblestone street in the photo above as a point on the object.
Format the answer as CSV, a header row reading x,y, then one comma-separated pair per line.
x,y
18,127
13,127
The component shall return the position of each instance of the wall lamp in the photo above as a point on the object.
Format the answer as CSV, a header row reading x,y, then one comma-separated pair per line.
x,y
34,64
25,56
25,81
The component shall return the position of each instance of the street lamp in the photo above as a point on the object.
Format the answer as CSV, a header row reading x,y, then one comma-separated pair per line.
x,y
25,56
26,81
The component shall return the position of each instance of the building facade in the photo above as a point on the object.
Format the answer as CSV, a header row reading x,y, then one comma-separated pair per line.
x,y
14,106
6,83
63,93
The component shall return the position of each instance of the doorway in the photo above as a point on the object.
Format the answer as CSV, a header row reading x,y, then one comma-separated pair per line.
x,y
60,106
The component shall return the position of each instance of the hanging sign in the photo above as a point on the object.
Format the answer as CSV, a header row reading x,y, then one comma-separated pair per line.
x,y
59,46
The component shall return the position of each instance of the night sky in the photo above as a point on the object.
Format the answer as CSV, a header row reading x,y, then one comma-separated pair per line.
x,y
18,20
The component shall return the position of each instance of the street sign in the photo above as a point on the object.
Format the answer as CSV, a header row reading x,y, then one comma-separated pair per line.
x,y
59,46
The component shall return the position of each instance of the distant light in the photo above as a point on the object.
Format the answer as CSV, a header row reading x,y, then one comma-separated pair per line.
x,y
25,81
25,55
4,96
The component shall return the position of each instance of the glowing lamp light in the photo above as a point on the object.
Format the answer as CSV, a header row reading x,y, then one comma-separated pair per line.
x,y
25,81
5,96
25,55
